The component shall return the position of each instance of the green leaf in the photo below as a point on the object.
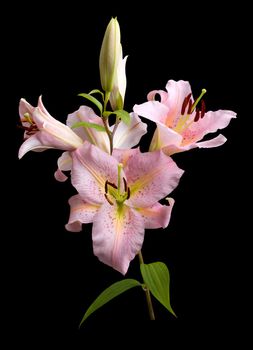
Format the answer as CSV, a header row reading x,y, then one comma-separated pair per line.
x,y
96,91
123,115
88,125
110,293
93,100
157,278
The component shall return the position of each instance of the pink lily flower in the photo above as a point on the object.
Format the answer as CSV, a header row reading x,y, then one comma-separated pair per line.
x,y
119,194
126,136
181,124
42,131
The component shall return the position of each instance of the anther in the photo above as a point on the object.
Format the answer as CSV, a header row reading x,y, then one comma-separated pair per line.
x,y
185,103
128,193
189,111
106,186
125,184
108,200
197,115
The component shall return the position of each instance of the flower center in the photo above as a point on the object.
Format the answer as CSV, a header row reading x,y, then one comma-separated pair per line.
x,y
114,193
188,107
32,128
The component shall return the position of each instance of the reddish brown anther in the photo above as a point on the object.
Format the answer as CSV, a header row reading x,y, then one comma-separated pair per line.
x,y
125,184
108,200
197,116
203,109
185,103
128,193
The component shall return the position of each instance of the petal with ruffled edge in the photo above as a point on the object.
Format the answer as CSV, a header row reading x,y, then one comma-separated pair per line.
x,y
211,122
151,176
157,215
80,213
164,136
64,164
117,236
152,110
127,136
86,114
91,168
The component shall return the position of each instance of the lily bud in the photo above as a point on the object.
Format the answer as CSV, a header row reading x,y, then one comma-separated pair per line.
x,y
109,55
119,88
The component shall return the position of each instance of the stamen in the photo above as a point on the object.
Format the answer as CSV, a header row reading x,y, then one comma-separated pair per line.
x,y
190,107
203,109
106,186
111,184
185,103
108,200
28,118
128,193
197,115
125,184
198,99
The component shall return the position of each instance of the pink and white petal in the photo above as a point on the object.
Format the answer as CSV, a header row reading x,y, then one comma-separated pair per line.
x,y
32,144
123,155
117,236
25,107
153,110
163,95
164,136
215,142
151,176
80,213
211,122
177,91
55,133
128,136
42,107
91,168
157,215
86,114
64,164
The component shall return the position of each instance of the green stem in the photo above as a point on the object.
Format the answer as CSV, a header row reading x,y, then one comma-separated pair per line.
x,y
147,292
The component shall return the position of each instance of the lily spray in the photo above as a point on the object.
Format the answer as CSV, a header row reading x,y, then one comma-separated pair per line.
x,y
118,188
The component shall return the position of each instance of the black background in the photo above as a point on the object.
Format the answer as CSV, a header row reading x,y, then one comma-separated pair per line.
x,y
52,275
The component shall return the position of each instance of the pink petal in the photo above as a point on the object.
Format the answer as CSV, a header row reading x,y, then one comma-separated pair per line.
x,y
42,107
215,142
123,155
64,164
163,95
177,91
117,236
211,122
157,215
80,213
32,144
151,176
86,114
25,107
127,136
54,133
153,110
91,168
164,136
